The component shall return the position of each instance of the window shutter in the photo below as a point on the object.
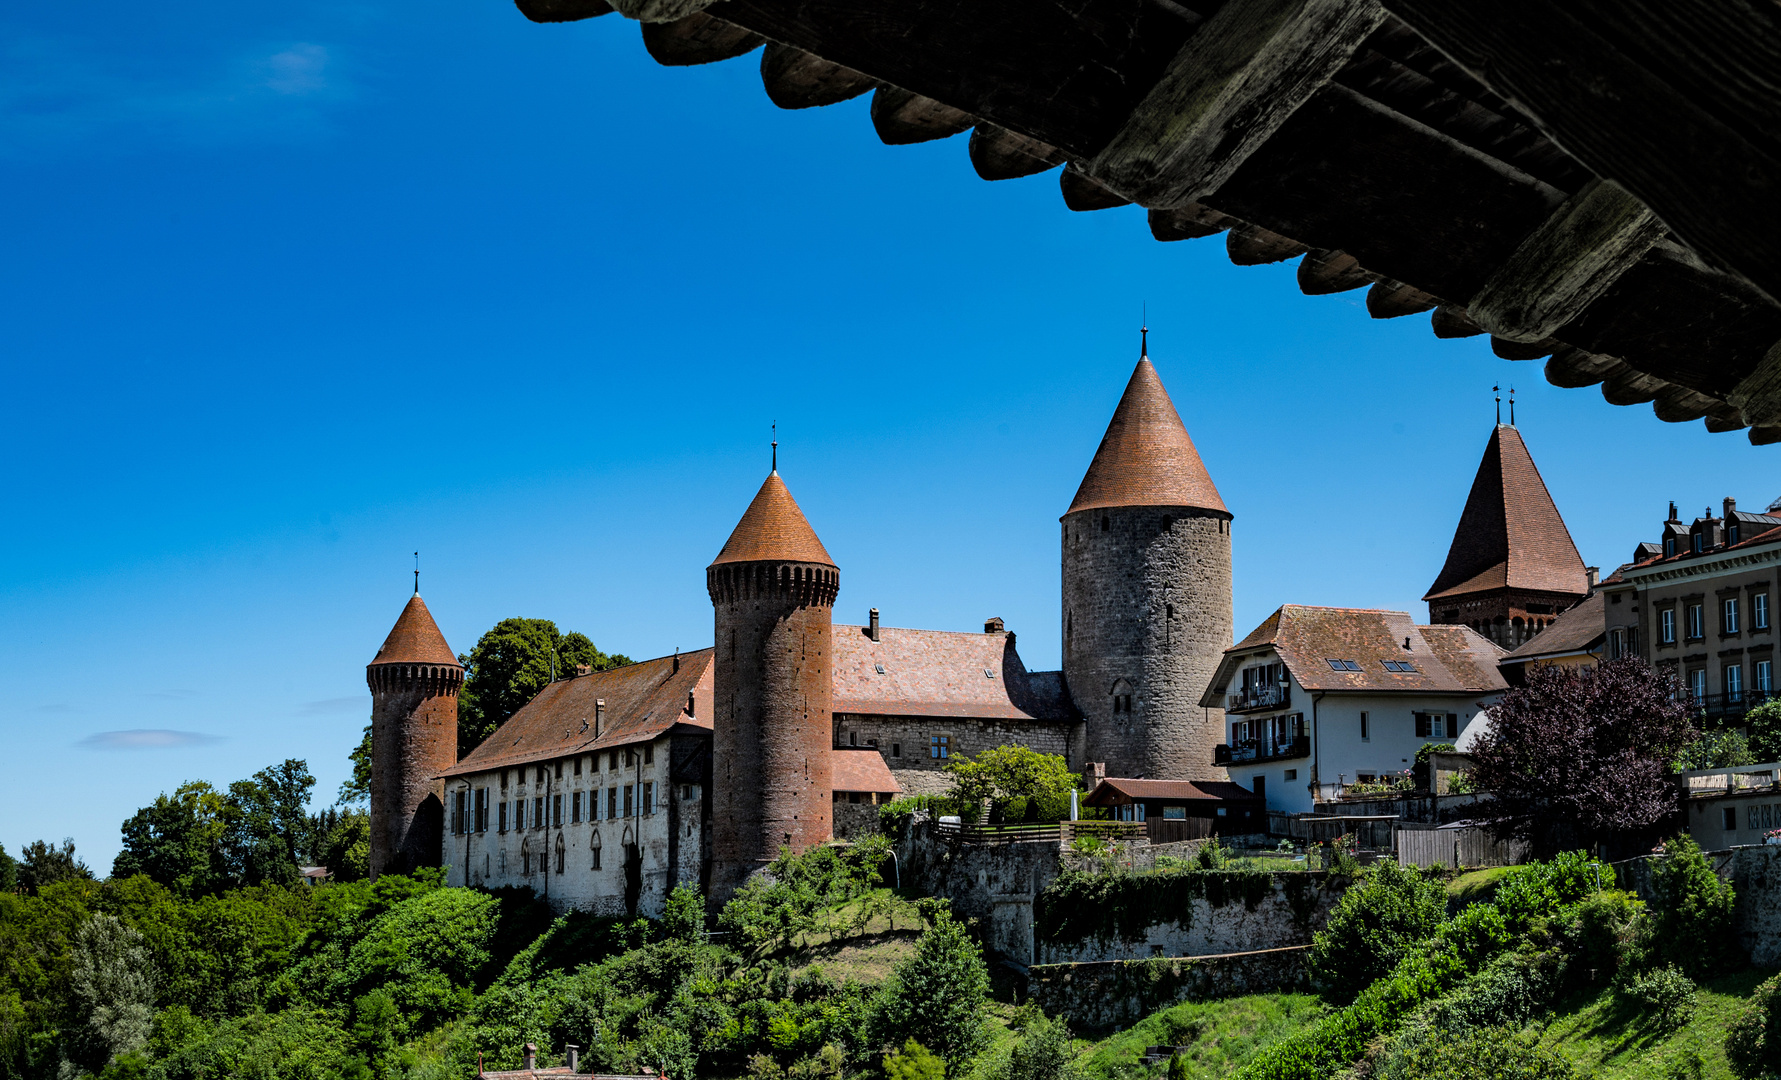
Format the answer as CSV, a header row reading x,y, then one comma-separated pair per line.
x,y
1452,725
1423,727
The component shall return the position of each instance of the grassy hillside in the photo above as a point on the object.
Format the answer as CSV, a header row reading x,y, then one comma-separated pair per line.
x,y
1606,1039
1222,1035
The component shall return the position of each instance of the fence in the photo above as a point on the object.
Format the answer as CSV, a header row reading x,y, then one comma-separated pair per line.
x,y
1371,830
1175,830
989,835
1107,830
1457,847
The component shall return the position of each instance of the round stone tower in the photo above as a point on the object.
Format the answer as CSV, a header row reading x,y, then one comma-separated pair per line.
x,y
1147,593
773,587
414,737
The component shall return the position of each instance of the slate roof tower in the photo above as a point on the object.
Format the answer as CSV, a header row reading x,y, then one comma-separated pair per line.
x,y
773,591
1512,567
414,680
1147,593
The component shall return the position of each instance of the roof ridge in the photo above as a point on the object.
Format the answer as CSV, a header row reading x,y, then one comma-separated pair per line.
x,y
1146,457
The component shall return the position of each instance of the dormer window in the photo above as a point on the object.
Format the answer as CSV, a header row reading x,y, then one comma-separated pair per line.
x,y
1669,546
1697,542
1731,533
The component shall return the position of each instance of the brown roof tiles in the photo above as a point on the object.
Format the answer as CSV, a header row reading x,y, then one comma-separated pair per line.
x,y
1510,534
1580,629
773,529
942,673
862,770
1146,457
415,639
1107,792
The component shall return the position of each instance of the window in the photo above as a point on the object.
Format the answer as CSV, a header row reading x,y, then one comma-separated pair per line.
x,y
1759,611
612,802
525,863
503,779
519,814
540,777
559,855
649,798
1616,645
1106,523
1174,813
1435,725
538,821
1697,541
649,753
1732,533
1733,675
1400,665
1697,623
501,816
853,738
1342,665
556,810
559,770
686,792
1764,677
482,809
896,749
596,851
1292,774
575,809
1728,615
1697,684
940,746
1666,626
1122,703
1669,546
629,789
578,766
1365,734
612,765
1729,818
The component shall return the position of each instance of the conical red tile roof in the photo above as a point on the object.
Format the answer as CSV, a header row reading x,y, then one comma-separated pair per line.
x,y
415,639
1510,534
1146,458
773,530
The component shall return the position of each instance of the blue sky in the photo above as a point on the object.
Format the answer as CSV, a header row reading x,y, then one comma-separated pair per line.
x,y
294,291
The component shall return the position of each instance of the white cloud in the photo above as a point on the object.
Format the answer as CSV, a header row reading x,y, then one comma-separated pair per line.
x,y
147,739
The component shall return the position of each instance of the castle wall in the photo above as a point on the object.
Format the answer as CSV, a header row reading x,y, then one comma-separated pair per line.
x,y
1147,613
414,737
909,747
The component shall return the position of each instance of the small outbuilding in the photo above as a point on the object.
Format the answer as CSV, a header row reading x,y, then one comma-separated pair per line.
x,y
1204,807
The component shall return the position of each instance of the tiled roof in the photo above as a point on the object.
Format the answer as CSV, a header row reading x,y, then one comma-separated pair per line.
x,y
415,639
643,700
1167,790
942,673
862,770
1579,629
1146,457
773,529
1685,554
1510,534
1447,659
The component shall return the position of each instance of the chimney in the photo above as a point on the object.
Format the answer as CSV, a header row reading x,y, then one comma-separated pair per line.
x,y
530,1057
872,629
1595,575
1093,772
574,1057
1731,507
676,659
689,704
1672,516
993,625
584,669
599,716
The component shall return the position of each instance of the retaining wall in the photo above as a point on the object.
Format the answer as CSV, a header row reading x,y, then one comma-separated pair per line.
x,y
1210,916
1099,997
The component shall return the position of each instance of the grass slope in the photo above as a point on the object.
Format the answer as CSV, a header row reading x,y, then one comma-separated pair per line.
x,y
1611,1042
1222,1034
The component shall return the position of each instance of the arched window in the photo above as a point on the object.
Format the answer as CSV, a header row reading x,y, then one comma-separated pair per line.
x,y
560,853
595,844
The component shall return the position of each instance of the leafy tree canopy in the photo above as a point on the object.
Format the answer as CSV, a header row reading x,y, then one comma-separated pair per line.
x,y
1715,750
1764,723
509,665
9,871
355,790
42,864
199,840
1577,756
1013,779
937,996
1375,925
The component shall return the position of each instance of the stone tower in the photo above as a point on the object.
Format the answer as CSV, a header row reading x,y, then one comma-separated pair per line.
x,y
1512,567
773,588
1147,593
414,737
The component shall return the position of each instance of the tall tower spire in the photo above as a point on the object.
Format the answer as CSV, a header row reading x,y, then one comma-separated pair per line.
x,y
772,591
414,680
1147,592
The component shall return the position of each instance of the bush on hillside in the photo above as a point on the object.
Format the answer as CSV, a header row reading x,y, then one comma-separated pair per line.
x,y
1043,1052
1749,1047
801,893
1690,923
1764,725
1599,933
1666,995
913,1062
1485,1054
1374,926
936,996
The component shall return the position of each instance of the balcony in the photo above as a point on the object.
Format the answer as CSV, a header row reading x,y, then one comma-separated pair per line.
x,y
1251,698
1256,751
1729,706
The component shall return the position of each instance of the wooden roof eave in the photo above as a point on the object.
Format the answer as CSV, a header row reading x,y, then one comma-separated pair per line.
x,y
1314,127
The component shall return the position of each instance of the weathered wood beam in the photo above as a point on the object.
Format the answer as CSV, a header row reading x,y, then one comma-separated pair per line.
x,y
795,79
1675,101
1000,154
552,11
1251,245
1228,90
1452,322
902,117
1597,235
1324,272
697,39
1394,299
1082,192
1522,350
651,11
1758,395
1575,368
1189,222
1765,435
1631,387
1678,404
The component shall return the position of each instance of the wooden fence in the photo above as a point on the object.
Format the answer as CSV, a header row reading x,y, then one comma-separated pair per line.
x,y
991,835
1471,846
1175,830
1371,831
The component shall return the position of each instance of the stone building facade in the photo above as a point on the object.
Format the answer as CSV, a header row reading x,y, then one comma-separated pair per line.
x,y
414,681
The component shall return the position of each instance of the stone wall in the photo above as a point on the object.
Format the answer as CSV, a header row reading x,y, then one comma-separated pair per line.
x,y
854,820
907,742
1755,872
993,883
1101,997
1211,914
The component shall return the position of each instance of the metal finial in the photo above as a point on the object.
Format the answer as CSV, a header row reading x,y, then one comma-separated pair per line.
x,y
1511,406
775,446
417,573
1144,334
1497,390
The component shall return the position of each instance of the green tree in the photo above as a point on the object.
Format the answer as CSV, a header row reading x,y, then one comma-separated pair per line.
x,y
355,790
113,990
913,1062
175,841
1375,925
510,664
9,871
42,864
1012,779
266,824
937,996
1043,1052
1690,909
1764,723
1715,750
346,848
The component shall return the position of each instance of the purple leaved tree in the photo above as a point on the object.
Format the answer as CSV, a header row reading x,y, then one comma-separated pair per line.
x,y
1578,755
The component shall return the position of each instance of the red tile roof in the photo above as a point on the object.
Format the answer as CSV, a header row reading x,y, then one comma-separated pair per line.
x,y
1510,534
1146,458
415,639
1107,791
1447,659
942,673
862,770
773,529
643,700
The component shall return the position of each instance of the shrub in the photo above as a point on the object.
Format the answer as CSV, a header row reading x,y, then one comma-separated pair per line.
x,y
1764,724
1715,750
1539,890
1476,934
1667,993
913,1062
1599,932
1485,1054
937,995
1372,929
1011,779
1043,1052
1691,909
1748,1048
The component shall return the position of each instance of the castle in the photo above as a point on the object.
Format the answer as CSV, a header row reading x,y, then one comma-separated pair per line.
x,y
609,788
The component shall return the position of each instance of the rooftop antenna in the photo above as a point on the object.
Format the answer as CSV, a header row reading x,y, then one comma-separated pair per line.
x,y
417,573
1511,406
1499,400
775,446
